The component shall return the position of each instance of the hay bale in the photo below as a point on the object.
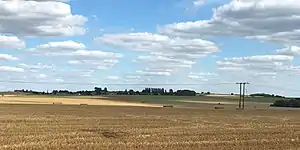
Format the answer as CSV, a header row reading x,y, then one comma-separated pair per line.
x,y
57,103
168,106
219,107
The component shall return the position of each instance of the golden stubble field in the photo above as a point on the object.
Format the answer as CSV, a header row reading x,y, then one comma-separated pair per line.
x,y
67,127
14,99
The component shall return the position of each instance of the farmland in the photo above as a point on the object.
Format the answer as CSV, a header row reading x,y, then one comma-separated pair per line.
x,y
95,126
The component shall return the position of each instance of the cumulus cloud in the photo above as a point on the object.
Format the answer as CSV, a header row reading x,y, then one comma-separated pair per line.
x,y
40,0
290,51
42,76
154,72
202,76
95,59
10,69
94,64
258,63
11,42
39,18
165,62
58,47
96,54
132,77
149,42
113,78
267,20
59,80
164,52
7,57
75,53
36,66
198,3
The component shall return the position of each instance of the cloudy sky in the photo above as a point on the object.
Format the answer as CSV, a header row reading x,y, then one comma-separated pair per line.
x,y
205,45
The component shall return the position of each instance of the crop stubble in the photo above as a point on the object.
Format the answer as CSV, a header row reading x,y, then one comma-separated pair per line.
x,y
102,127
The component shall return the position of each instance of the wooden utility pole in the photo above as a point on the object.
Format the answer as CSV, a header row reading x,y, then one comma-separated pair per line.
x,y
242,96
240,100
244,89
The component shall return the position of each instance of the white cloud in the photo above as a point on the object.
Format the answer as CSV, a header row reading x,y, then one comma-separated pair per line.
x,y
58,47
165,62
41,0
195,77
290,51
149,42
75,54
11,42
94,59
258,63
113,78
267,20
42,76
39,18
74,62
7,57
202,76
59,80
101,64
164,52
133,77
36,66
10,69
266,74
147,72
198,3
87,73
96,54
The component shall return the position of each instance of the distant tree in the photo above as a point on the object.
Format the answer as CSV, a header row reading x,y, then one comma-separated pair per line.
x,y
286,103
54,92
131,92
98,91
171,92
185,93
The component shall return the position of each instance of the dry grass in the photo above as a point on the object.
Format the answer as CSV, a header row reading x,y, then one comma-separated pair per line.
x,y
101,127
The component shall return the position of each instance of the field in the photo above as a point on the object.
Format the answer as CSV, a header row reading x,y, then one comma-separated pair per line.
x,y
146,126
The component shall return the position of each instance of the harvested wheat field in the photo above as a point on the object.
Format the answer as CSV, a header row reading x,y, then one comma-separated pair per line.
x,y
69,127
13,99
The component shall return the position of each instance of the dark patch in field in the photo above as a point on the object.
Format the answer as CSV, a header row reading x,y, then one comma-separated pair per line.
x,y
106,133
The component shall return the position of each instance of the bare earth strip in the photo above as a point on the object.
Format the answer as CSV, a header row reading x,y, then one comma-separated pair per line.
x,y
68,101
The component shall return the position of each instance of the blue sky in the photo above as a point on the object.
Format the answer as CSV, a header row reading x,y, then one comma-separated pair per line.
x,y
209,44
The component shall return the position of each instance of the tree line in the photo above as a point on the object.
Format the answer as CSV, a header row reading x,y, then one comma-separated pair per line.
x,y
105,91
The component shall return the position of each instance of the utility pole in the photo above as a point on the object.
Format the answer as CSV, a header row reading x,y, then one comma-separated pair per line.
x,y
244,88
242,96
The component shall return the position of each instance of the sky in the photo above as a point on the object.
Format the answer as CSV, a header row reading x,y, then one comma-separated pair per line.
x,y
204,45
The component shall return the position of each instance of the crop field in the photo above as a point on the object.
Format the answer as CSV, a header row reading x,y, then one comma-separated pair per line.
x,y
69,127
